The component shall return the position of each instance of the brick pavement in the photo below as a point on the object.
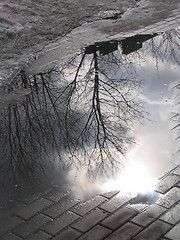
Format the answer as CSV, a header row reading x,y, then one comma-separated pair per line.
x,y
110,216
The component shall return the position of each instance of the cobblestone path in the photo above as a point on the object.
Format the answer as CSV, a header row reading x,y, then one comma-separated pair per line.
x,y
110,216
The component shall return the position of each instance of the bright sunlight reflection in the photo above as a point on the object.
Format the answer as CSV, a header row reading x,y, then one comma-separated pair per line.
x,y
134,180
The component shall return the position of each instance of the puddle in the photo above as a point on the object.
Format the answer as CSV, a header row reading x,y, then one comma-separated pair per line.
x,y
106,112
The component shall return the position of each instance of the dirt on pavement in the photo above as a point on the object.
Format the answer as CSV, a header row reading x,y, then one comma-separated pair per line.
x,y
27,25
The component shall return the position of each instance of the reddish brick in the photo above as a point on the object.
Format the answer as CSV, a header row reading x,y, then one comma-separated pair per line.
x,y
9,223
90,220
69,234
169,198
60,223
154,231
86,207
118,218
33,208
148,215
115,203
96,233
31,225
125,232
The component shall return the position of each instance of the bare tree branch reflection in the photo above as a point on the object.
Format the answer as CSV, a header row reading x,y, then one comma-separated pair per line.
x,y
78,114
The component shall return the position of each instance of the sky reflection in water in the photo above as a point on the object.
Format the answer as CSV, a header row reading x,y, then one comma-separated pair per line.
x,y
156,148
99,118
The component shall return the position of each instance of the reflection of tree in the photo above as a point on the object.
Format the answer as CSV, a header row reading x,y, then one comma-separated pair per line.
x,y
176,115
109,108
32,130
84,110
166,48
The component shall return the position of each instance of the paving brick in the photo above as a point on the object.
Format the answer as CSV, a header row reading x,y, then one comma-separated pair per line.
x,y
34,197
60,223
118,218
115,203
109,194
87,206
154,231
59,208
10,236
166,183
90,220
169,198
149,215
31,225
174,233
96,233
33,208
125,232
40,235
10,209
177,171
9,223
164,238
56,195
173,215
69,234
139,207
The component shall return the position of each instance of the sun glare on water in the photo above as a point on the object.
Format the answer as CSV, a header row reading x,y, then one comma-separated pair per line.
x,y
134,180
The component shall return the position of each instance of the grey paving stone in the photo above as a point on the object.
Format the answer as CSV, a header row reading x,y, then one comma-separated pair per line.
x,y
56,195
154,231
115,203
149,215
139,207
90,220
109,194
87,206
10,236
173,215
59,208
174,233
10,209
125,232
35,196
33,208
177,171
118,218
69,234
58,224
40,235
169,198
96,233
31,225
164,238
9,223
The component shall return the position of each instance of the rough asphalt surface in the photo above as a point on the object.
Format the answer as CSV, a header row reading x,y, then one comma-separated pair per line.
x,y
28,25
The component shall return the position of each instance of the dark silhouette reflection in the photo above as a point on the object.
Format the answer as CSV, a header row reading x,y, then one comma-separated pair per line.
x,y
79,114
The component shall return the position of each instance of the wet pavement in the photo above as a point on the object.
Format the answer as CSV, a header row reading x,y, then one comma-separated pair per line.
x,y
57,215
57,212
